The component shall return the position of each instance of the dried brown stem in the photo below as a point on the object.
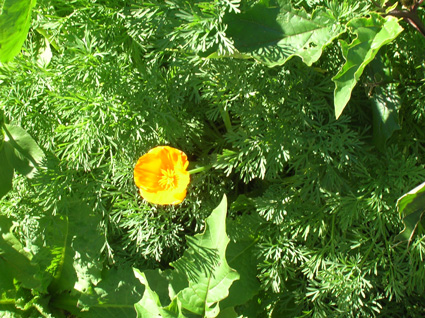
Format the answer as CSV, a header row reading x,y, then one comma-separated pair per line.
x,y
411,17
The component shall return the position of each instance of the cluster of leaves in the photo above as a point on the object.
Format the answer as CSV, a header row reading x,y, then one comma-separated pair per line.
x,y
201,279
256,89
50,268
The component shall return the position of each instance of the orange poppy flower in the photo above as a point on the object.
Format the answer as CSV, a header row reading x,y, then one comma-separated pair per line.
x,y
161,175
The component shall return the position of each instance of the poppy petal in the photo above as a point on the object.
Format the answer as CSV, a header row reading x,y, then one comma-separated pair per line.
x,y
161,175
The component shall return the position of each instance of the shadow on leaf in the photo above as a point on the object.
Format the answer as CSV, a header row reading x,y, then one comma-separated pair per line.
x,y
199,259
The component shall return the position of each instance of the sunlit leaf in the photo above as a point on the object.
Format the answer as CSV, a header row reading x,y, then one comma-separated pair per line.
x,y
372,33
15,20
205,269
273,35
74,263
22,151
411,207
15,259
114,296
150,305
205,266
242,258
6,170
6,173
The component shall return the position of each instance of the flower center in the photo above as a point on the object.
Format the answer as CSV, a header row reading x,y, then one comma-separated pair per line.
x,y
168,179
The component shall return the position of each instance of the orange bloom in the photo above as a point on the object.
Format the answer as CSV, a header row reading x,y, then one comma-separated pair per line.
x,y
161,175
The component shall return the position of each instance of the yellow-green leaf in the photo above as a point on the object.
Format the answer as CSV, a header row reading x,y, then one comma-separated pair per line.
x,y
15,20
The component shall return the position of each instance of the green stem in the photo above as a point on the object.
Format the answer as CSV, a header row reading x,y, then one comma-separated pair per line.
x,y
367,253
200,169
226,119
7,301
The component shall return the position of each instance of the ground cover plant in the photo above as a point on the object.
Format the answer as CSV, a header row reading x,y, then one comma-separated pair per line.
x,y
302,123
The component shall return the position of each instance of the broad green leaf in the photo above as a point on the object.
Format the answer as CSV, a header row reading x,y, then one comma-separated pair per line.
x,y
205,265
114,296
273,35
411,207
41,304
19,285
150,305
24,298
6,173
22,151
65,302
75,243
1,128
385,103
7,270
15,21
66,259
166,284
57,257
242,258
6,278
200,280
372,33
6,170
85,227
32,304
385,100
228,313
16,261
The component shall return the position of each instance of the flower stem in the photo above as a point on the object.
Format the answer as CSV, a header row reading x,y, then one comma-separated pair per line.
x,y
226,119
199,169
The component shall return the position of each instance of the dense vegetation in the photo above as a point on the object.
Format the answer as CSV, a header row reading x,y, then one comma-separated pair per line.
x,y
312,139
